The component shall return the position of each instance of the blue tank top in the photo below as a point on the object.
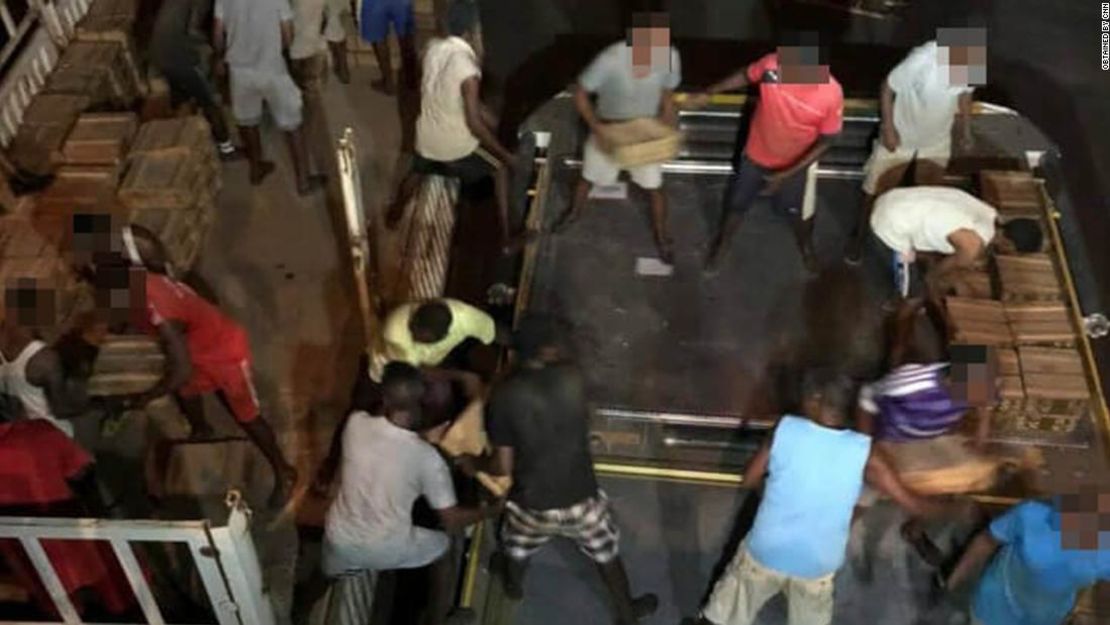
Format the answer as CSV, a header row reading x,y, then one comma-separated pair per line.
x,y
814,480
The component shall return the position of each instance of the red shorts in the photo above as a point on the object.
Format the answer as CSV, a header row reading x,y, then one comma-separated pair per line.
x,y
232,380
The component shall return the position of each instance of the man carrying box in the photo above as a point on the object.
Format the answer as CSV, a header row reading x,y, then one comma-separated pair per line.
x,y
633,79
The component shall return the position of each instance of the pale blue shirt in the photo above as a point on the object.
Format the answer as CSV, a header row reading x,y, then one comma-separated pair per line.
x,y
815,476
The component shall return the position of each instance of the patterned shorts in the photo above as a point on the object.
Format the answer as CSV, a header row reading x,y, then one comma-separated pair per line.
x,y
587,523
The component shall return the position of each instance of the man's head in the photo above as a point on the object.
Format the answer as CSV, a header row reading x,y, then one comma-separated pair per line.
x,y
802,59
1020,236
964,52
402,389
826,394
105,239
540,340
461,18
1085,519
29,304
430,322
649,36
973,374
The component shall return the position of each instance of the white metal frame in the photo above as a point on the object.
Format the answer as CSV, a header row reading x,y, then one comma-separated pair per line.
x,y
224,557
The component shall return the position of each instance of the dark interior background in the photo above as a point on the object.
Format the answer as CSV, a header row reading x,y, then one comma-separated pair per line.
x,y
1043,61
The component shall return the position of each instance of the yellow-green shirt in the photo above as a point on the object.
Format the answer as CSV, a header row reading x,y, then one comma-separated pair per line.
x,y
466,322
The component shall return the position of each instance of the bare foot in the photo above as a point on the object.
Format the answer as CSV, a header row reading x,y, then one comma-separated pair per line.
x,y
314,183
258,174
666,250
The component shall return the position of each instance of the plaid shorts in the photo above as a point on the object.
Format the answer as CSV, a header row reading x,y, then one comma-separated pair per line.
x,y
587,523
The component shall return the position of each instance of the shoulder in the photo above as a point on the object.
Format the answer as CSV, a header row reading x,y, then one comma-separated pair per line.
x,y
611,54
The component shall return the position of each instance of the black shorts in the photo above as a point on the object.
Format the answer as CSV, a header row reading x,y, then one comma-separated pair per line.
x,y
471,169
748,180
188,84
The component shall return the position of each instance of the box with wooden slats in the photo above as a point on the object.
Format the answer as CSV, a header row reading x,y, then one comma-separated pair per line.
x,y
1040,323
1012,193
126,364
977,322
1011,388
162,181
98,70
114,21
973,284
47,122
1057,395
179,135
99,139
77,190
28,253
1028,278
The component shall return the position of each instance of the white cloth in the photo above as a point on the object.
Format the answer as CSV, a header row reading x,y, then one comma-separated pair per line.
x,y
883,160
314,23
14,384
441,130
599,168
925,100
254,33
384,470
250,89
920,219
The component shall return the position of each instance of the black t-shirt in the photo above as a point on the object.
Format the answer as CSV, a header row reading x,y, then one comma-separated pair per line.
x,y
542,414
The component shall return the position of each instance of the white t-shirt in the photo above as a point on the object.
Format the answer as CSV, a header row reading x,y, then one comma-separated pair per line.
x,y
919,219
254,33
384,470
925,102
441,130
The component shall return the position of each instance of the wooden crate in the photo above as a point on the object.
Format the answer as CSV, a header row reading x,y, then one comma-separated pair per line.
x,y
972,283
189,135
977,322
80,189
1012,193
97,69
166,180
1055,381
1011,389
99,139
126,364
181,232
1040,324
1029,277
46,123
642,142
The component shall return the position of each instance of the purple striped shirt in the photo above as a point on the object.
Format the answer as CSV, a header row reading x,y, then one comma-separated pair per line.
x,y
912,403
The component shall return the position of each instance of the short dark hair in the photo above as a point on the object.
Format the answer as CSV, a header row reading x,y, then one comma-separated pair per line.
x,y
402,387
461,18
1025,233
535,332
431,318
831,386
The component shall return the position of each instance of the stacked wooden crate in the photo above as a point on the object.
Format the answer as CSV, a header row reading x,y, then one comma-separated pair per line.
x,y
99,139
45,126
1029,278
1056,390
1011,388
98,70
1040,323
978,322
1015,195
126,364
171,184
113,21
28,253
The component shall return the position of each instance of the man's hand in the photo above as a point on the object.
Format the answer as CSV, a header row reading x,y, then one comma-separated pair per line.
x,y
602,137
696,101
888,134
774,181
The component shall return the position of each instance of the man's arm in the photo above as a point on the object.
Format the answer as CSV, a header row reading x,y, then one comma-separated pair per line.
x,y
734,82
888,134
819,147
968,249
473,105
286,34
326,473
501,462
977,554
179,366
881,475
66,398
905,322
586,110
668,110
757,467
458,517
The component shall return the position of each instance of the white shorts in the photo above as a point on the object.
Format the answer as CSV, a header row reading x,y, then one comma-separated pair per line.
x,y
746,585
598,168
883,160
412,549
250,88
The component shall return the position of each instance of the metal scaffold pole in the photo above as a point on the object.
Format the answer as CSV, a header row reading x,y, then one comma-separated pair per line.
x,y
362,249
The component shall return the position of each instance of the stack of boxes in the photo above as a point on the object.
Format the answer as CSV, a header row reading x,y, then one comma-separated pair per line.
x,y
171,184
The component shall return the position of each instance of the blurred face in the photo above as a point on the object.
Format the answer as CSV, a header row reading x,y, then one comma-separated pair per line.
x,y
651,43
29,304
94,237
1085,520
801,65
121,291
973,375
964,52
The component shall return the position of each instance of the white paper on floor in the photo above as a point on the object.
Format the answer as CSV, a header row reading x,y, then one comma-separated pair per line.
x,y
646,266
615,191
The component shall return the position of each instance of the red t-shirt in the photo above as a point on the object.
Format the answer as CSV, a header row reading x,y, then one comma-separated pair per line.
x,y
790,117
211,336
36,459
